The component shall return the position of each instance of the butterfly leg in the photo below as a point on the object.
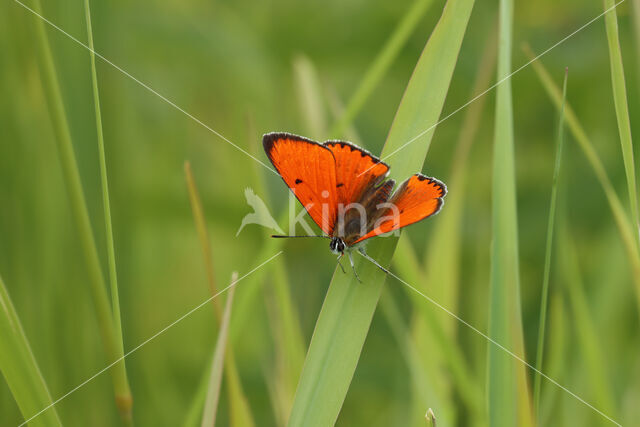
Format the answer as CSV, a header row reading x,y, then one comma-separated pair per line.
x,y
340,264
353,267
364,254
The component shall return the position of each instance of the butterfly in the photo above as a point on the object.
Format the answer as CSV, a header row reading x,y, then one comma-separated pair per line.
x,y
345,190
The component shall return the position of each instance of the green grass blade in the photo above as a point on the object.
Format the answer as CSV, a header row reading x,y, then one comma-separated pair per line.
x,y
125,403
381,65
508,395
348,308
626,230
548,250
80,213
19,366
217,365
239,406
622,109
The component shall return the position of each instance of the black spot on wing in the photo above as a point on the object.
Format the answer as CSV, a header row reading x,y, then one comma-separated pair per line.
x,y
298,181
339,185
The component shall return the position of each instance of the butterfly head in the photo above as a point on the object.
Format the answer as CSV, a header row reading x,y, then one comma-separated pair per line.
x,y
337,245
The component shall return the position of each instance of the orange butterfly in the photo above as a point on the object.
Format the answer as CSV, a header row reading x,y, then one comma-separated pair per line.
x,y
343,188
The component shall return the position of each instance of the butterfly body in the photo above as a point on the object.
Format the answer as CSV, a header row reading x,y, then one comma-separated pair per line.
x,y
345,191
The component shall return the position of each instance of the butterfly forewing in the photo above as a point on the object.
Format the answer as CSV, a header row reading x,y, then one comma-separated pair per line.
x,y
356,171
309,170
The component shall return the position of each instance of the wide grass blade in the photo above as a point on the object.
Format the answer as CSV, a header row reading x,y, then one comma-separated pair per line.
x,y
124,405
626,230
240,413
19,367
443,278
348,308
381,65
80,214
548,250
622,109
508,394
427,346
217,365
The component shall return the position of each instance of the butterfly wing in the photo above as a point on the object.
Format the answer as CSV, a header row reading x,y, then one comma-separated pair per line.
x,y
309,170
356,171
416,199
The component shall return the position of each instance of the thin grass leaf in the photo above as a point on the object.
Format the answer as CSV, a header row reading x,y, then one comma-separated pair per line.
x,y
548,250
381,64
217,365
507,388
622,110
556,363
626,230
349,305
240,413
80,214
19,367
125,404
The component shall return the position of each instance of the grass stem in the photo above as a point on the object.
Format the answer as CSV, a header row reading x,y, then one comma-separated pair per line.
x,y
547,259
125,404
622,110
80,214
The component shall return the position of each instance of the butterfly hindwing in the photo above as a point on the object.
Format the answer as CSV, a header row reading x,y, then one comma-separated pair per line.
x,y
416,199
309,170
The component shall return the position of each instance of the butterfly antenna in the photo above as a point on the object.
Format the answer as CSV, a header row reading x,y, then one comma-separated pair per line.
x,y
353,267
279,236
364,254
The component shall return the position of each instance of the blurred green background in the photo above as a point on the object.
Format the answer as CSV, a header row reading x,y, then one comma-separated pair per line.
x,y
238,67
